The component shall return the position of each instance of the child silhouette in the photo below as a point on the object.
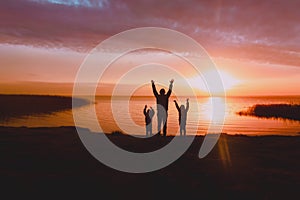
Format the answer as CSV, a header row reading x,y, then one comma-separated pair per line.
x,y
182,111
148,119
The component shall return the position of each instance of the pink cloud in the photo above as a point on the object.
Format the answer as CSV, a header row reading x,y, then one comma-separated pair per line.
x,y
260,30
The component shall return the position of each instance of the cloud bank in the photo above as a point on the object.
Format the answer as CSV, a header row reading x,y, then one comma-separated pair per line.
x,y
266,31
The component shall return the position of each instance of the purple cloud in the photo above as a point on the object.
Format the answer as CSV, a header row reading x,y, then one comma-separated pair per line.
x,y
260,30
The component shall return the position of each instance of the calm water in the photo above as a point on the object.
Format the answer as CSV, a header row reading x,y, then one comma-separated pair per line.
x,y
128,116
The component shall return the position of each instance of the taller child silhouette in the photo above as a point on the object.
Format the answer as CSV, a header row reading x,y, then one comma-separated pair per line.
x,y
162,101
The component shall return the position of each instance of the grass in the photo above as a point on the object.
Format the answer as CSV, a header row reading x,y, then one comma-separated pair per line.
x,y
281,111
25,105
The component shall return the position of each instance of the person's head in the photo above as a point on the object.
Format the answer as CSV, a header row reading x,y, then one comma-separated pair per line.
x,y
162,91
182,108
148,111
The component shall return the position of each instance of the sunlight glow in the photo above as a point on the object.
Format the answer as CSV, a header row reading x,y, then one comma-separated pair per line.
x,y
228,82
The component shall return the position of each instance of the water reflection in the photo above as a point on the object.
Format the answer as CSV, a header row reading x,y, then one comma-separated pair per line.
x,y
199,116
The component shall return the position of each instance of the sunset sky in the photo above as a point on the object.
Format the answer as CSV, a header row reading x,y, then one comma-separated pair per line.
x,y
255,44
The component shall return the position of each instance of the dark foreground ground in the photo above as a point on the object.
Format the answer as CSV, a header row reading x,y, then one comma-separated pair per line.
x,y
52,163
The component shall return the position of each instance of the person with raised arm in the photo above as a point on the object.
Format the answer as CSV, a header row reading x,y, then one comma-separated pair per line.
x,y
182,112
149,113
162,101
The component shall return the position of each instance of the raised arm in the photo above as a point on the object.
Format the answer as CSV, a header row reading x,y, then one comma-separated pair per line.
x,y
176,104
145,113
170,87
152,112
154,89
187,105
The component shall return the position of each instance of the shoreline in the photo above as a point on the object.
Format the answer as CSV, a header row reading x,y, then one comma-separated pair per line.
x,y
16,106
143,136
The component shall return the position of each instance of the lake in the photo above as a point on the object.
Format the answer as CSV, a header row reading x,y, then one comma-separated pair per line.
x,y
127,116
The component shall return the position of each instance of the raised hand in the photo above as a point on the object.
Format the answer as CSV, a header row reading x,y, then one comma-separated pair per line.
x,y
152,81
145,106
187,99
171,81
175,101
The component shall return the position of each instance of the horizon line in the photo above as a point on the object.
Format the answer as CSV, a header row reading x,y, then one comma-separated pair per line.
x,y
206,96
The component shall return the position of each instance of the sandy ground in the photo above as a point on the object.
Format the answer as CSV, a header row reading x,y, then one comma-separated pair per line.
x,y
52,162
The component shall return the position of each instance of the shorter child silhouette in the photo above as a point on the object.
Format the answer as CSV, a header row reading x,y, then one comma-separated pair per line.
x,y
148,119
182,111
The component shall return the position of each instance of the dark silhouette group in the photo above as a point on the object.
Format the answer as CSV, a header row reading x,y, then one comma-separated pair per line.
x,y
162,102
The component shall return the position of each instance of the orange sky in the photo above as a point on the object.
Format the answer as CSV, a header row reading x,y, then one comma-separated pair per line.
x,y
255,44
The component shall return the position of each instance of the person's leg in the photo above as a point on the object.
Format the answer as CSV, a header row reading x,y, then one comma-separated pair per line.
x,y
165,121
147,130
150,129
184,130
159,120
180,127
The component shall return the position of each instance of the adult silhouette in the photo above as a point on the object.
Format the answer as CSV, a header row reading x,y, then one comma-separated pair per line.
x,y
162,101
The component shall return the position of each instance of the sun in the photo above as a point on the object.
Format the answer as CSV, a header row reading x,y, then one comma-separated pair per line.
x,y
198,83
228,80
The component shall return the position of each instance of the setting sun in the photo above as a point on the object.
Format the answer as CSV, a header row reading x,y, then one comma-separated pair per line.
x,y
228,81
